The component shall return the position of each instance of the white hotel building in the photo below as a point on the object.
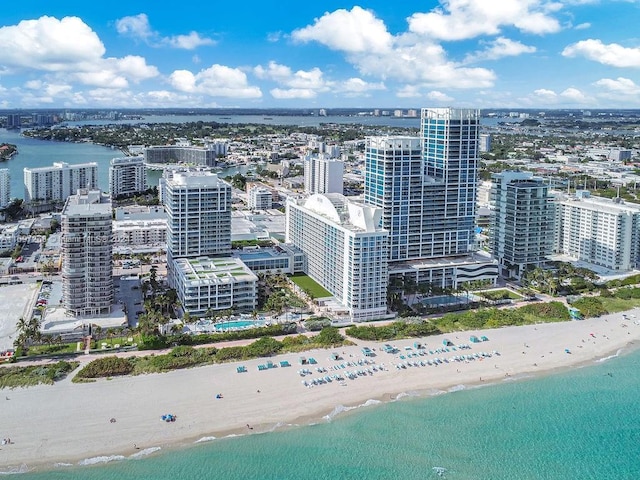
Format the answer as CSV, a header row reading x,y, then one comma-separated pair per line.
x,y
599,231
346,251
58,182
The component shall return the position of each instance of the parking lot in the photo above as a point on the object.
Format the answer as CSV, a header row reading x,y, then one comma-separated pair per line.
x,y
14,303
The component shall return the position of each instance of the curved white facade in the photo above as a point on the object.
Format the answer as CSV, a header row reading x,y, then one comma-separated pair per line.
x,y
346,251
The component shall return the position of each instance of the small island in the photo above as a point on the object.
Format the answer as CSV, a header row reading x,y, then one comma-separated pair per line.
x,y
7,150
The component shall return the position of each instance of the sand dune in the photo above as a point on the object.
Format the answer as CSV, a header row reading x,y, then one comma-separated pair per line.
x,y
70,422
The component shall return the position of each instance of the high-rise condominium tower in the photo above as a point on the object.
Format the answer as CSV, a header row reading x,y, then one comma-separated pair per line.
x,y
450,156
427,186
198,206
522,222
5,187
87,277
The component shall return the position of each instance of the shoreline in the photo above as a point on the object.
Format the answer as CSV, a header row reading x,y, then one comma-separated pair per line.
x,y
69,424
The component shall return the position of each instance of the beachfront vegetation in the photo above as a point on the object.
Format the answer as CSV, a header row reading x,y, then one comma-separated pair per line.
x,y
456,322
187,356
315,324
622,282
154,342
14,377
105,366
275,294
590,306
562,279
392,331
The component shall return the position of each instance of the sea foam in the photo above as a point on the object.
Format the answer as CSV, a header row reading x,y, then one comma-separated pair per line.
x,y
145,452
101,459
341,409
205,439
457,388
604,359
15,470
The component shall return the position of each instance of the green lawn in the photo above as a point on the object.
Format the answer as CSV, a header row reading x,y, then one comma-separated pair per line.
x,y
502,294
310,286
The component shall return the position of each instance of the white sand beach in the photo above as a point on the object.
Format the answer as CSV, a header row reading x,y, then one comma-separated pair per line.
x,y
70,422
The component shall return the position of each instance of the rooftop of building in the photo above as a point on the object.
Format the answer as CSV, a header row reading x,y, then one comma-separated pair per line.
x,y
248,225
342,211
140,212
61,165
197,177
213,270
88,202
134,224
127,160
600,204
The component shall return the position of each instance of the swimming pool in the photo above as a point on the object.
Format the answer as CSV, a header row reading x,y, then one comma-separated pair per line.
x,y
443,300
237,324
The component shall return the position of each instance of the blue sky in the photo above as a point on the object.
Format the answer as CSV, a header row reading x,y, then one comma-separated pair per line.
x,y
320,54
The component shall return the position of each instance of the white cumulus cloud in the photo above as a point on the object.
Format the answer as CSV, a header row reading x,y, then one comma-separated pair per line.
x,y
370,48
608,54
71,51
549,98
436,96
620,85
417,91
574,95
215,81
293,93
357,86
49,44
298,84
138,27
356,30
409,91
499,48
464,19
189,42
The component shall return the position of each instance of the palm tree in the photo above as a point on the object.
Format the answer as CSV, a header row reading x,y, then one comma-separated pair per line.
x,y
22,325
96,330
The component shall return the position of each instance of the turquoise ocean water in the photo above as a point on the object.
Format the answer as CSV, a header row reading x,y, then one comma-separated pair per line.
x,y
581,424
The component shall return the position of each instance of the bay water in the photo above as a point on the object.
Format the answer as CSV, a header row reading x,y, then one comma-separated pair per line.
x,y
35,153
583,423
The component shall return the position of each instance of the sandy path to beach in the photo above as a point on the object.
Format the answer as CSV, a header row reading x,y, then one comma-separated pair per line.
x,y
70,422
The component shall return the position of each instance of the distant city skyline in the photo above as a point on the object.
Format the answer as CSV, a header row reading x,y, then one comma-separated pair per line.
x,y
463,53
